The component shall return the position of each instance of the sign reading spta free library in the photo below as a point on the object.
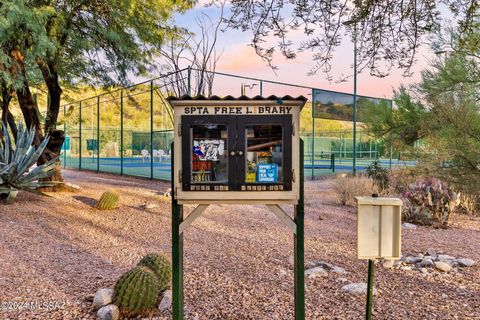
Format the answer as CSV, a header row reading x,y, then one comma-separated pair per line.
x,y
237,149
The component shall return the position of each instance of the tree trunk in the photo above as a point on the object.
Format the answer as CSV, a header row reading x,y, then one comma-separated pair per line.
x,y
57,137
30,113
50,76
7,117
25,98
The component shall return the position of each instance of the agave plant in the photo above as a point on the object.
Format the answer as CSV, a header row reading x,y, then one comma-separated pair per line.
x,y
16,162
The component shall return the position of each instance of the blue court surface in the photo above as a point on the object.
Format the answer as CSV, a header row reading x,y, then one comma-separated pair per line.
x,y
160,168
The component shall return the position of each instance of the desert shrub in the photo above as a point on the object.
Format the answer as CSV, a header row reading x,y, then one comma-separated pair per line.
x,y
429,201
347,187
469,203
380,175
400,178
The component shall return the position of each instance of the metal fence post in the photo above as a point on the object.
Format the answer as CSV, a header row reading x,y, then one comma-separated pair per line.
x,y
98,133
64,143
121,132
313,134
354,164
151,129
261,88
80,138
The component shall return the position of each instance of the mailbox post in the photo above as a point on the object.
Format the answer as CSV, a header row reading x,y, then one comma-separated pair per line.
x,y
237,151
378,235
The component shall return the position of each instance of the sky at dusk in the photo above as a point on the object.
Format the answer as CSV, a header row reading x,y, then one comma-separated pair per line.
x,y
239,58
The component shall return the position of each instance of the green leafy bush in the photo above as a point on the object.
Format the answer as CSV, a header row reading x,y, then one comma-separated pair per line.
x,y
380,175
17,160
429,201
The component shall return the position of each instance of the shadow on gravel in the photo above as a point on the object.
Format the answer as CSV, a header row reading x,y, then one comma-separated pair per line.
x,y
87,200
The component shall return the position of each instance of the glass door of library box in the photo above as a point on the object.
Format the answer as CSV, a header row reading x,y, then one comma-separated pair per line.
x,y
237,153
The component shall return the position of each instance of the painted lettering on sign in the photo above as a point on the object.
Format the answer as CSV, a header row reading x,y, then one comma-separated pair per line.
x,y
238,110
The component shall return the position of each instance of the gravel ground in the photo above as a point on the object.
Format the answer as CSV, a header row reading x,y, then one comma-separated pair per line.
x,y
59,250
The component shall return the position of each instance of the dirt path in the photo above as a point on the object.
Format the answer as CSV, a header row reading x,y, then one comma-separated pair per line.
x,y
60,250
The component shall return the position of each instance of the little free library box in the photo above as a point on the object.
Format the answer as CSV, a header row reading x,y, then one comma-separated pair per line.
x,y
236,150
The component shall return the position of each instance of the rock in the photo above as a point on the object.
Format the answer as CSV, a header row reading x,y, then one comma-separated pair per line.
x,y
464,262
357,288
442,266
316,272
166,302
426,263
168,193
336,269
444,296
445,257
342,279
283,273
412,260
89,297
405,268
71,187
102,298
409,226
291,260
150,206
430,252
324,265
109,312
423,270
388,263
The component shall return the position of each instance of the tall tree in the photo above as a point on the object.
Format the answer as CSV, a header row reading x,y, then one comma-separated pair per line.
x,y
388,33
198,51
97,42
443,110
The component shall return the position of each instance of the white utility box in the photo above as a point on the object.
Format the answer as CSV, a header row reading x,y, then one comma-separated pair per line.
x,y
379,223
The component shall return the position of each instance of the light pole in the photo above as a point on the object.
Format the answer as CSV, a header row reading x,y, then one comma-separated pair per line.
x,y
354,164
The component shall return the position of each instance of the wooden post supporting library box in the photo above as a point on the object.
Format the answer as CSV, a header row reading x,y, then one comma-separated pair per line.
x,y
379,229
237,151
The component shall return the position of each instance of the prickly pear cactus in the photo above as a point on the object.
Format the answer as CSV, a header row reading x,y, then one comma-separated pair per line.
x,y
161,266
108,201
136,291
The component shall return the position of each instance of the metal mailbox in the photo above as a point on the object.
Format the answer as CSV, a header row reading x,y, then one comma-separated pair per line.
x,y
236,150
379,227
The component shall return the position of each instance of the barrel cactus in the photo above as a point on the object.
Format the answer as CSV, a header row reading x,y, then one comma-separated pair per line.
x,y
137,290
108,201
16,160
161,266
